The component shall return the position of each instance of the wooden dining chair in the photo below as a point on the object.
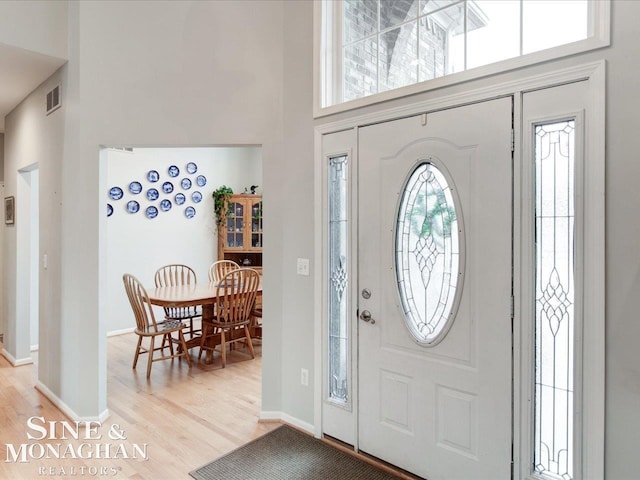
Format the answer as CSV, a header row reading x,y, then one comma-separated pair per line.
x,y
219,269
235,298
255,327
178,274
147,327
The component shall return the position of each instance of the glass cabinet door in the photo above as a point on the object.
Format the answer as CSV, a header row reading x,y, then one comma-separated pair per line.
x,y
235,225
256,225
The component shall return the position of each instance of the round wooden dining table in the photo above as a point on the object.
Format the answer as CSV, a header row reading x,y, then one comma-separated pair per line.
x,y
203,294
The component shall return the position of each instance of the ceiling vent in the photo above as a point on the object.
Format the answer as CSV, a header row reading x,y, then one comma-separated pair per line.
x,y
53,100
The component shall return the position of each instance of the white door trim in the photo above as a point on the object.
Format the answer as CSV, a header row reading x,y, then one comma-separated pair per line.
x,y
337,416
557,77
589,303
594,273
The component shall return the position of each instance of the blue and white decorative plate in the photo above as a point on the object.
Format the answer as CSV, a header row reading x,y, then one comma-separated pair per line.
x,y
196,197
133,206
135,187
153,176
152,194
190,212
109,210
173,171
185,183
151,212
115,193
167,187
165,205
180,198
201,180
192,168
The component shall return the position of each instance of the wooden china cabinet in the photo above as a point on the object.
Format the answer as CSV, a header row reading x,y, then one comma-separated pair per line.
x,y
240,237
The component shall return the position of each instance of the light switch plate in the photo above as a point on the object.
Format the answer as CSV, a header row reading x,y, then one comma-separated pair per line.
x,y
302,267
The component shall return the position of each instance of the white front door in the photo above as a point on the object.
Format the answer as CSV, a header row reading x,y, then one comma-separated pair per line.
x,y
441,410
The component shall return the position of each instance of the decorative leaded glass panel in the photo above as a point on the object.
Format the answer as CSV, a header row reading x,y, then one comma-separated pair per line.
x,y
428,253
338,280
555,299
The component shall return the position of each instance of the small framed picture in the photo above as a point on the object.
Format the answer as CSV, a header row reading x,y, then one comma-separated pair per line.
x,y
9,210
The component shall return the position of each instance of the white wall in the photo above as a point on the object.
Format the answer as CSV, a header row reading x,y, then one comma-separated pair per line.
x,y
33,138
623,249
138,245
36,25
140,73
298,239
145,73
1,157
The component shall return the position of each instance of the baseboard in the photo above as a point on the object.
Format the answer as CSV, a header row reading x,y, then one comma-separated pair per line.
x,y
286,418
270,416
65,409
114,333
16,362
104,415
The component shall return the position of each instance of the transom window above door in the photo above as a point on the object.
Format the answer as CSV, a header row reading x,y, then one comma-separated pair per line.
x,y
373,50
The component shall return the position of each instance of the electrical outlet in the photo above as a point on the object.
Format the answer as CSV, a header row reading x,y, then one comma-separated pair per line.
x,y
302,267
304,377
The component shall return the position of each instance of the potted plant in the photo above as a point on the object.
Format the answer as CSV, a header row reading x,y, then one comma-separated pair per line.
x,y
221,197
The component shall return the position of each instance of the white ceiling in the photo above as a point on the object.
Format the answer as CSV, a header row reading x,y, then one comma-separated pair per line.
x,y
21,71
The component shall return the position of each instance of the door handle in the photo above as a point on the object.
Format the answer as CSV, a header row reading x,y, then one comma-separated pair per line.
x,y
365,316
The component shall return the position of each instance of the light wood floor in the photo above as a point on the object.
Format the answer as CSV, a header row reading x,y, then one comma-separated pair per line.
x,y
186,417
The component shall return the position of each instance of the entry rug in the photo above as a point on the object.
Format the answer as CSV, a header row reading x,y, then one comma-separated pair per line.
x,y
287,454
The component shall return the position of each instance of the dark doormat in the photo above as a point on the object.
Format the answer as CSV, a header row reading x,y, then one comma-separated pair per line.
x,y
286,453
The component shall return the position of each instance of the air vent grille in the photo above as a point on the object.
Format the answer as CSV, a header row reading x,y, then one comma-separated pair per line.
x,y
53,100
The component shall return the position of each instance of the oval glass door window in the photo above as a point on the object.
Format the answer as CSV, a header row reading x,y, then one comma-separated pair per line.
x,y
429,256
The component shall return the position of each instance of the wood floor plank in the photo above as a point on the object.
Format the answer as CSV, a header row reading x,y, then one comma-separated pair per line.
x,y
186,417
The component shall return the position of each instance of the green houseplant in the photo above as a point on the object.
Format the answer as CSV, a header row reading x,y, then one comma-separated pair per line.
x,y
221,207
221,197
